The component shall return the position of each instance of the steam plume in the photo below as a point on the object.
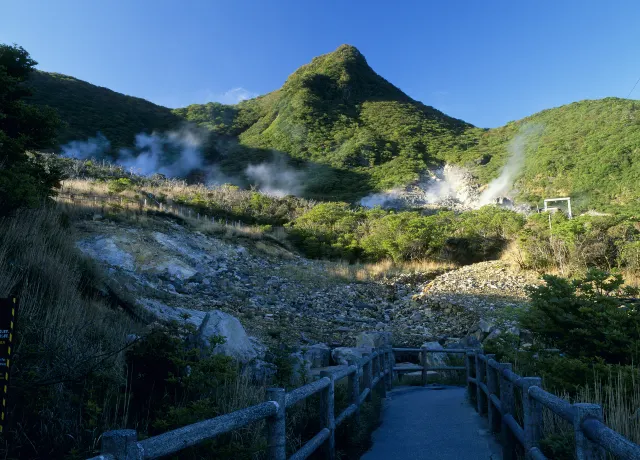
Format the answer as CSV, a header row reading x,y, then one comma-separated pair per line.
x,y
174,154
276,178
503,184
178,153
94,147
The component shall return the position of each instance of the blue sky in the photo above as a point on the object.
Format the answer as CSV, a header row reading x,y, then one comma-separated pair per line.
x,y
487,62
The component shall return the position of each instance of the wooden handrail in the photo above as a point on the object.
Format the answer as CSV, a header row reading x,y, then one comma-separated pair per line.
x,y
593,437
375,367
490,383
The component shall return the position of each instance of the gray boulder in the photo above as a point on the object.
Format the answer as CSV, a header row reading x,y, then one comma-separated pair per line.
x,y
373,339
435,359
470,341
342,355
318,355
485,326
494,334
209,324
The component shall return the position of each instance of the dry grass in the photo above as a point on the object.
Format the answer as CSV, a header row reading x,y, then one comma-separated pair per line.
x,y
85,199
385,269
64,336
224,199
620,402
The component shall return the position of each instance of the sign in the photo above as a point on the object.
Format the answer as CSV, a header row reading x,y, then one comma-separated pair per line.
x,y
7,322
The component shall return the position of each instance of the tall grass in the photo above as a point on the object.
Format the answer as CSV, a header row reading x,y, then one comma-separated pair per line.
x,y
68,364
619,397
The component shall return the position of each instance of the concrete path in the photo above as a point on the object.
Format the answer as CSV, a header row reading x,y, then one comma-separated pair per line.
x,y
432,423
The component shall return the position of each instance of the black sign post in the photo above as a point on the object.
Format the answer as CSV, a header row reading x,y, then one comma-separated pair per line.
x,y
8,309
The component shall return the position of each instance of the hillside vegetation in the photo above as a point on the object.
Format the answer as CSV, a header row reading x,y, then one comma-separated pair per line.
x,y
354,132
87,109
337,111
589,150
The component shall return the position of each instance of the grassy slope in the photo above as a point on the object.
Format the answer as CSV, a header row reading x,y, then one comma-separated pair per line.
x,y
588,149
87,109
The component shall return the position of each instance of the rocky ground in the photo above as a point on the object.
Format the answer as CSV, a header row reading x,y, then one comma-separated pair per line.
x,y
171,271
277,296
459,303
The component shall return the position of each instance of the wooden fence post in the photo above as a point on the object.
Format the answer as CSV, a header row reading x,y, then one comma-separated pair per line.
x,y
585,449
507,404
469,363
423,363
121,444
276,426
383,369
374,365
492,385
481,397
328,416
354,389
390,361
367,375
532,414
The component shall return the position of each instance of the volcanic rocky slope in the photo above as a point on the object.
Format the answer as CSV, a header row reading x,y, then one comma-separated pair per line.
x,y
168,271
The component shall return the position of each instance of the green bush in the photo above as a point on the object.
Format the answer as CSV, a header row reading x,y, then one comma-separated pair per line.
x,y
119,185
337,230
173,383
586,317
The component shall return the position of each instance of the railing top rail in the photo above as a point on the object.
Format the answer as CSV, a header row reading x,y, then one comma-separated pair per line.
x,y
557,405
190,435
429,350
511,376
305,391
345,371
611,440
494,364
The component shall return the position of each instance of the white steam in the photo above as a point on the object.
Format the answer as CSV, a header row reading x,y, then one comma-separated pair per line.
x,y
276,178
502,186
386,199
172,154
94,147
445,186
455,187
175,154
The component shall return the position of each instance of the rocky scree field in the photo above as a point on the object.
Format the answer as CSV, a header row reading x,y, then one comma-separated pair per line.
x,y
259,294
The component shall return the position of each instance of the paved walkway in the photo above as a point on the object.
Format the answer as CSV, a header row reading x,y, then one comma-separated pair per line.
x,y
432,423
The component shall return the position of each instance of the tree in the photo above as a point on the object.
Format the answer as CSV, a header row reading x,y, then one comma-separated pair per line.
x,y
23,127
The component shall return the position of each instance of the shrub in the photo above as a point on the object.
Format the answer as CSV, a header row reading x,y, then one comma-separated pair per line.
x,y
119,185
585,317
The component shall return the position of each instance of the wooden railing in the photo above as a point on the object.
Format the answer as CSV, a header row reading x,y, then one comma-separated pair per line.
x,y
493,385
424,367
375,368
489,383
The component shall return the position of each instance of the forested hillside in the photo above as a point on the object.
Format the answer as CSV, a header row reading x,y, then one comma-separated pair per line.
x,y
354,132
589,150
86,109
